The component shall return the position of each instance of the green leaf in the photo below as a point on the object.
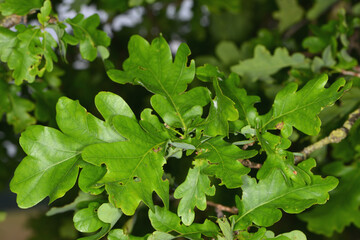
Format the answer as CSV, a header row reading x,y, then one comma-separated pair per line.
x,y
45,11
343,207
278,158
227,52
192,192
226,229
118,234
85,31
224,161
318,8
86,220
263,234
294,235
243,102
82,198
262,200
180,111
300,109
263,65
46,100
166,221
17,109
52,165
107,213
2,216
24,57
128,179
19,7
222,110
152,66
323,36
290,12
24,50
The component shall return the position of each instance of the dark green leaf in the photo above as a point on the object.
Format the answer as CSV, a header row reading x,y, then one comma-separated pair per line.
x,y
343,207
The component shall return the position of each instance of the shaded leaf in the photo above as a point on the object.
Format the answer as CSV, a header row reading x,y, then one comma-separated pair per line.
x,y
23,51
107,213
343,207
81,199
118,234
263,64
243,102
86,220
166,221
89,37
290,12
318,8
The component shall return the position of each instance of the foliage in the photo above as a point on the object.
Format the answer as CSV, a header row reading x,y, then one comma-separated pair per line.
x,y
208,136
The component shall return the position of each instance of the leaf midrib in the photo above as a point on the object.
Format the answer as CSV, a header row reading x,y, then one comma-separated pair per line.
x,y
276,198
294,110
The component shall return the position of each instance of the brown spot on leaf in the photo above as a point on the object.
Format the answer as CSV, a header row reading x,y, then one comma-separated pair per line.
x,y
280,125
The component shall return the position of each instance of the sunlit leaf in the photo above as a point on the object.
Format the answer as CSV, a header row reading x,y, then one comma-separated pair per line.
x,y
192,193
261,201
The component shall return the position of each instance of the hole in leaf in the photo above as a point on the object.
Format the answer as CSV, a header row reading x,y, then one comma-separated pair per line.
x,y
136,179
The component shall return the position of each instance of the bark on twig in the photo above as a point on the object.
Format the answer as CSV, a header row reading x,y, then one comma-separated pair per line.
x,y
219,209
335,136
350,73
250,164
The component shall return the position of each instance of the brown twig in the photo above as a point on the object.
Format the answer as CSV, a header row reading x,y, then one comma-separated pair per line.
x,y
335,136
350,73
219,209
250,164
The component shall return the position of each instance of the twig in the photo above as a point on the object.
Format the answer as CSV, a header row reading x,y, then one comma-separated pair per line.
x,y
335,136
350,73
219,209
250,164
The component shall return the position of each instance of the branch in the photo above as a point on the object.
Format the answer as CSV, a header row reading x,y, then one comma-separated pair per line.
x,y
219,209
335,136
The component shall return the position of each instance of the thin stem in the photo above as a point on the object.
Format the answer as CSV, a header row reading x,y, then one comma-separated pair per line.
x,y
335,136
350,73
219,209
250,164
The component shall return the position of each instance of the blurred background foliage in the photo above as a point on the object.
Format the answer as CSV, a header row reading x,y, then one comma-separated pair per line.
x,y
222,33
